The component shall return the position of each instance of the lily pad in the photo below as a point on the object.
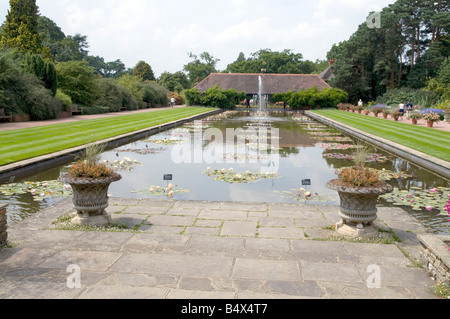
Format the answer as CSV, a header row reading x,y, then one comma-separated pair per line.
x,y
167,141
333,138
421,199
303,195
338,146
127,164
371,158
38,190
142,151
170,191
229,176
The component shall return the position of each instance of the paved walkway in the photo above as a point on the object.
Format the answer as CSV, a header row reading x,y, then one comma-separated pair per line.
x,y
210,250
443,125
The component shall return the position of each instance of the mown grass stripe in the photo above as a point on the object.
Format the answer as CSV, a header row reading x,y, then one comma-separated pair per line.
x,y
96,131
101,121
16,145
400,130
50,130
59,144
427,140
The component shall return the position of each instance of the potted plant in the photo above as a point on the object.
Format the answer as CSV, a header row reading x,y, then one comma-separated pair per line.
x,y
90,181
396,115
377,109
414,117
386,112
359,108
359,188
431,117
366,111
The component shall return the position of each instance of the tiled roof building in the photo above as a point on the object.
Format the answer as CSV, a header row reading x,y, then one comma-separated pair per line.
x,y
271,83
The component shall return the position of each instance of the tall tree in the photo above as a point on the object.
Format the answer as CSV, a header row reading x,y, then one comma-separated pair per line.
x,y
200,67
21,27
144,71
113,69
266,60
407,50
174,81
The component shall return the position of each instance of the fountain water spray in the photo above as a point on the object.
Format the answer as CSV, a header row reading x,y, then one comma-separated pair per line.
x,y
260,94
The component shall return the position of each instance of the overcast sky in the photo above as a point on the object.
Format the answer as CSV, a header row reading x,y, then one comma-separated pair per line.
x,y
162,33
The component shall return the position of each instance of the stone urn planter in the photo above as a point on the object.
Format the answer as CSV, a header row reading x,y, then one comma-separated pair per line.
x,y
90,198
358,208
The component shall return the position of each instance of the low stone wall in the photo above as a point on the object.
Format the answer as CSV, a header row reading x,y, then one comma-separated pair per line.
x,y
3,226
435,255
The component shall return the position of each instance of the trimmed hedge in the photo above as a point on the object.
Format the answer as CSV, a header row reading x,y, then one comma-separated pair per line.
x,y
312,98
214,97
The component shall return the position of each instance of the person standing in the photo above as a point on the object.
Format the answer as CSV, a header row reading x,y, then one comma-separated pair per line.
x,y
409,107
401,108
172,102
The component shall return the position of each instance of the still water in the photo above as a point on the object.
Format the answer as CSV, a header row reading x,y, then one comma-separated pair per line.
x,y
242,156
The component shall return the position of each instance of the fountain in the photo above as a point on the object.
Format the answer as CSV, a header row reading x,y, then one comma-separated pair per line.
x,y
260,93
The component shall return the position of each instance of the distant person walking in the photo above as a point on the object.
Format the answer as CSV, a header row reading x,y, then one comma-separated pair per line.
x,y
409,107
401,108
172,102
360,103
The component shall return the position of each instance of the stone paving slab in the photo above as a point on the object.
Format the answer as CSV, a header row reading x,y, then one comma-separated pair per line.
x,y
210,250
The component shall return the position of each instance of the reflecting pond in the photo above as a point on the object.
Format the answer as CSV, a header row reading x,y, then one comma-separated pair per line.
x,y
246,156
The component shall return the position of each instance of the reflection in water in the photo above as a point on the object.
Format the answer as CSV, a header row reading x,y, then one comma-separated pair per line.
x,y
296,156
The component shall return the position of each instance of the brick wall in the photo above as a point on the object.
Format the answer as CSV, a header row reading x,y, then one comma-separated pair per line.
x,y
435,255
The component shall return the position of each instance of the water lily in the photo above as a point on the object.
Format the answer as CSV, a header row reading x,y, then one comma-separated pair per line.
x,y
429,208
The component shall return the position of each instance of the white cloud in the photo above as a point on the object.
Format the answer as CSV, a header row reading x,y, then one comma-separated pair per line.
x,y
163,32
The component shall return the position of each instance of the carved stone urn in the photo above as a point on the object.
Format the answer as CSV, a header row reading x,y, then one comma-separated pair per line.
x,y
358,208
90,199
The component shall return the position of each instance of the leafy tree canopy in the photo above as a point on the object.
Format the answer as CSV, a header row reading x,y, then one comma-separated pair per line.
x,y
201,67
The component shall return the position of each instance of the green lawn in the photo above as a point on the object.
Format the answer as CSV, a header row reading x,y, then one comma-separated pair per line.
x,y
17,145
427,140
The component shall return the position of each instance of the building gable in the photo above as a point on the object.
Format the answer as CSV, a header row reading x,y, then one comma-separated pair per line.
x,y
271,83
